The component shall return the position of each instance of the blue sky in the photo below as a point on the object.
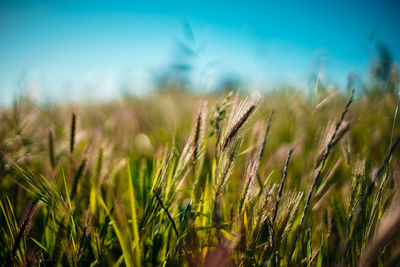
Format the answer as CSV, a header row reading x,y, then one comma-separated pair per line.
x,y
75,49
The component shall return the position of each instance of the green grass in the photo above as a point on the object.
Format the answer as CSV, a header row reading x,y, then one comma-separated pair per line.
x,y
177,179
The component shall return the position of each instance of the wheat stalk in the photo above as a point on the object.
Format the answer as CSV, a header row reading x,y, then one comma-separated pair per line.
x,y
318,175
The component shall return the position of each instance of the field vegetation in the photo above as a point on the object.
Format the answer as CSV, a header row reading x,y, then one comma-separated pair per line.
x,y
180,179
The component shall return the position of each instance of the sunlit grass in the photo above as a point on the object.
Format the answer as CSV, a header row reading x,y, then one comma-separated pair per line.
x,y
177,179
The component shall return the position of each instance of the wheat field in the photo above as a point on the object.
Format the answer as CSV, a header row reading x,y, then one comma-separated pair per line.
x,y
181,179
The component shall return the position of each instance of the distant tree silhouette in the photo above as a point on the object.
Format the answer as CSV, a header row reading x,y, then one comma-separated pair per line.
x,y
383,75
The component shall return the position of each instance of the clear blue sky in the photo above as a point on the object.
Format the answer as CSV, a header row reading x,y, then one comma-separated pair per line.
x,y
74,49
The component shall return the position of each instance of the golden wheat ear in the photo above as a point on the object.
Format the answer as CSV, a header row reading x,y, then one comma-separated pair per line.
x,y
239,116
